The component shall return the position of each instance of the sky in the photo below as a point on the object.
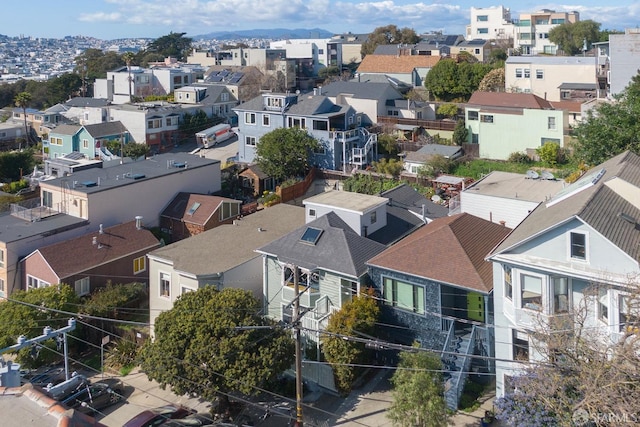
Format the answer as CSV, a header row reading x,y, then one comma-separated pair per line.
x,y
113,19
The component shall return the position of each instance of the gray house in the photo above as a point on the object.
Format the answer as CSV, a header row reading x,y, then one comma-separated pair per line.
x,y
344,144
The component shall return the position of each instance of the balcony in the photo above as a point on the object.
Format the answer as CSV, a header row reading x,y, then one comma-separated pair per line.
x,y
427,124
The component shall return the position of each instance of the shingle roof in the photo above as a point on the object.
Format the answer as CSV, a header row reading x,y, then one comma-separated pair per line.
x,y
105,129
406,197
65,129
81,101
310,105
361,90
181,205
75,255
597,204
396,64
339,249
509,100
448,250
229,245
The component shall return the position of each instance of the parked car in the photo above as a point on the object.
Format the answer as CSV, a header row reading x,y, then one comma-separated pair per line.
x,y
66,388
157,416
96,396
51,375
194,420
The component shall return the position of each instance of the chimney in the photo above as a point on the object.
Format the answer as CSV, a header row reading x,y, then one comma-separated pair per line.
x,y
503,223
101,230
94,241
138,222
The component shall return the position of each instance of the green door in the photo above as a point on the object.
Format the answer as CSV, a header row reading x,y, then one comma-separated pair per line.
x,y
475,306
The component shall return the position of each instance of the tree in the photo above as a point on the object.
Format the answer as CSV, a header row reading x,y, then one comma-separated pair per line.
x,y
551,153
393,167
450,81
579,369
128,57
134,151
358,315
497,56
572,36
448,110
389,34
22,100
62,88
465,56
14,165
198,348
418,391
611,129
493,81
460,133
24,319
284,152
172,45
388,145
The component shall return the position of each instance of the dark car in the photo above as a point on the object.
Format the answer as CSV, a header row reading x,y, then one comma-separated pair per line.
x,y
194,420
94,397
48,376
64,389
157,416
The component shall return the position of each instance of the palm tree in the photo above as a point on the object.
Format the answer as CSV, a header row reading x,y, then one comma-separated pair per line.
x,y
22,100
128,58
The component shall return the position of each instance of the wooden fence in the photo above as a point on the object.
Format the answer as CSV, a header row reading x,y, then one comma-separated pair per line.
x,y
296,190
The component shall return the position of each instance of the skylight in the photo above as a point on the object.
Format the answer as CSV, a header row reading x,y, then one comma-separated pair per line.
x,y
193,208
581,184
311,235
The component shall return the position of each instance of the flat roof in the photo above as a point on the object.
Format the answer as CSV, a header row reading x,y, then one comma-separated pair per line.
x,y
13,228
511,185
100,179
347,200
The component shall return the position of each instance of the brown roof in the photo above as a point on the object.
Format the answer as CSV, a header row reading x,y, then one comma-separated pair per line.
x,y
180,207
449,250
571,106
254,170
80,254
509,100
396,64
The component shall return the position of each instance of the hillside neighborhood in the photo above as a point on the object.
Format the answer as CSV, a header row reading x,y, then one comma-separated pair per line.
x,y
456,216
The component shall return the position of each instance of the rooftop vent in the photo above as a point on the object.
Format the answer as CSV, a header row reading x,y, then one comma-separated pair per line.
x,y
89,183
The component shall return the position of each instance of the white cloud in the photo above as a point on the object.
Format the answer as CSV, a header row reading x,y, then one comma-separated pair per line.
x,y
100,17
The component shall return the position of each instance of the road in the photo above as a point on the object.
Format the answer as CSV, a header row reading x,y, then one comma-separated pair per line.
x,y
222,151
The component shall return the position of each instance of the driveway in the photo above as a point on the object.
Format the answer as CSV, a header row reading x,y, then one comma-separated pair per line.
x,y
222,151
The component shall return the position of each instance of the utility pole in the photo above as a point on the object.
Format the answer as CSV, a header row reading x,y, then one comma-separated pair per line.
x,y
296,329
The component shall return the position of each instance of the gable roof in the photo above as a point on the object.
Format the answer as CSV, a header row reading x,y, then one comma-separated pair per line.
x,y
339,249
65,129
230,245
396,64
80,254
105,129
448,250
360,90
181,205
312,105
598,199
508,100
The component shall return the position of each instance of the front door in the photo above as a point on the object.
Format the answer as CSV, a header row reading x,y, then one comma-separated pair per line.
x,y
475,306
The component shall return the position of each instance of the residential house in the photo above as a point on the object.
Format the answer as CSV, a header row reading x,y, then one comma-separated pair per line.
x,y
505,197
343,143
531,30
414,160
409,69
255,182
554,78
38,121
99,194
504,123
622,64
575,253
88,140
269,62
25,228
376,99
322,52
491,23
223,257
84,110
437,290
113,254
189,214
243,82
351,46
478,48
10,131
215,100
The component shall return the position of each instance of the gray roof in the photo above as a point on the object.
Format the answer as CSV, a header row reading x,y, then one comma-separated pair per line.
x,y
578,86
406,197
360,90
81,101
553,60
95,180
310,105
448,151
229,245
66,129
339,249
474,42
105,129
387,49
14,228
346,200
510,185
598,204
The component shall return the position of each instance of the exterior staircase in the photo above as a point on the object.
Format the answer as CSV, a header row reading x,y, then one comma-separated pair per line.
x,y
456,361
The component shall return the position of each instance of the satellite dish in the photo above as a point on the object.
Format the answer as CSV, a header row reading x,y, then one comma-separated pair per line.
x,y
531,174
547,175
435,198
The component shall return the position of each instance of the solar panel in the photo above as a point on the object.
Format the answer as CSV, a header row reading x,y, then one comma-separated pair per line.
x,y
223,73
74,155
235,79
215,78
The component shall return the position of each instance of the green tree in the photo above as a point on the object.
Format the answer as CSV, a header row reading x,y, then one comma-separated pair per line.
x,y
611,129
493,81
571,36
62,88
448,110
391,167
497,56
198,348
29,319
128,58
285,152
389,34
15,165
388,145
418,391
357,315
328,72
551,153
173,45
134,151
22,100
449,80
465,56
460,133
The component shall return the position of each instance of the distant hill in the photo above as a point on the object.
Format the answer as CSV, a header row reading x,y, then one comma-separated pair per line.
x,y
273,33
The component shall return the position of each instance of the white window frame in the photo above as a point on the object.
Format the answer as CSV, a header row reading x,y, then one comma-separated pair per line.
x,y
527,73
85,143
251,141
35,283
3,291
418,307
164,278
555,305
551,123
2,264
543,285
570,246
250,118
136,264
509,276
83,286
186,289
540,74
603,299
518,73
266,120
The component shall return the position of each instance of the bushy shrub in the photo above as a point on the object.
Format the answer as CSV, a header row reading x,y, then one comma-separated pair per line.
x,y
519,157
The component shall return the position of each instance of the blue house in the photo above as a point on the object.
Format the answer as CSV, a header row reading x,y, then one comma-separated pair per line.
x,y
345,145
88,140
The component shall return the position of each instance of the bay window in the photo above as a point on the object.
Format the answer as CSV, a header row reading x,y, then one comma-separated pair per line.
x,y
531,292
560,287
